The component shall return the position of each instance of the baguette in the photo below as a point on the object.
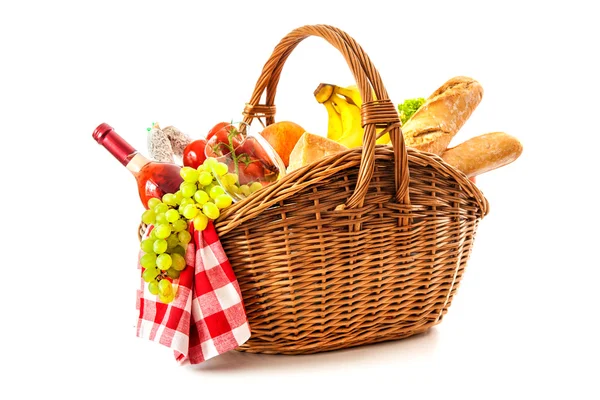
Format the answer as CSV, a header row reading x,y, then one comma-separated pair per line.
x,y
483,153
435,123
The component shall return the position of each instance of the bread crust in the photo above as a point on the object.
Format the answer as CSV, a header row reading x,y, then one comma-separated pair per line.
x,y
483,153
310,148
435,123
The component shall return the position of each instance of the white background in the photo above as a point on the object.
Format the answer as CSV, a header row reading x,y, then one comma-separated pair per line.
x,y
523,324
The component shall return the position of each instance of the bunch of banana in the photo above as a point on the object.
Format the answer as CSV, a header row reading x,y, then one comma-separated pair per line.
x,y
343,109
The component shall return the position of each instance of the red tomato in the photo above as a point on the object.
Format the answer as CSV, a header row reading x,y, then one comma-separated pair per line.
x,y
253,149
249,147
219,140
254,171
216,128
222,131
216,148
222,134
194,154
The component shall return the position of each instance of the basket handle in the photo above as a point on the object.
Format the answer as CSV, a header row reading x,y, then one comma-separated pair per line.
x,y
380,113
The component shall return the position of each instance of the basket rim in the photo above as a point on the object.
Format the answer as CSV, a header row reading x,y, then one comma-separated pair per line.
x,y
262,196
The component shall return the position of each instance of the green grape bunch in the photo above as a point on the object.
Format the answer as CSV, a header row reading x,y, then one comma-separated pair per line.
x,y
198,201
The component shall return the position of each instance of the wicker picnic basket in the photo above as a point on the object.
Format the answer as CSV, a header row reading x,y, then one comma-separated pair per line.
x,y
363,246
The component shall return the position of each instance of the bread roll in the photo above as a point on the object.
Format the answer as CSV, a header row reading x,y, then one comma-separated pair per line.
x,y
310,148
435,123
484,153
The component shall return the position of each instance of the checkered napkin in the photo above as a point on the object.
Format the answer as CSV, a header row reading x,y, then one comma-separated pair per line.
x,y
207,317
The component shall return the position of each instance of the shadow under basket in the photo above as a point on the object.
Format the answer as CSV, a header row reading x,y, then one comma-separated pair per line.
x,y
363,246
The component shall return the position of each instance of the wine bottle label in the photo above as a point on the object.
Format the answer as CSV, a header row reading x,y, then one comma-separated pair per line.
x,y
136,163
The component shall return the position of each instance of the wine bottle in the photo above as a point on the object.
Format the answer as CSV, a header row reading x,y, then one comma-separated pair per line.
x,y
154,179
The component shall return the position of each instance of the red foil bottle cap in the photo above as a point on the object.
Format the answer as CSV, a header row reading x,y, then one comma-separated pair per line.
x,y
105,135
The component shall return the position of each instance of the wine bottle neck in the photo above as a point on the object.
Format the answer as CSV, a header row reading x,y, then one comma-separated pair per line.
x,y
118,147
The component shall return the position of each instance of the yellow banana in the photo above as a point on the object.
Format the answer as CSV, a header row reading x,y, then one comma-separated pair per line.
x,y
351,93
323,92
343,110
334,121
344,122
352,131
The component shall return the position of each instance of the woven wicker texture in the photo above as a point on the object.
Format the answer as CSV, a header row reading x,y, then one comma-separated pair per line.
x,y
364,246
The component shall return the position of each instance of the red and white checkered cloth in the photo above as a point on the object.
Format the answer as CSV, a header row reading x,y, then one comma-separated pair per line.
x,y
207,316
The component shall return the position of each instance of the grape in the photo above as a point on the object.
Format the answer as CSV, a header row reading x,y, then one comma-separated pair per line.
x,y
147,245
188,189
172,241
205,178
148,217
220,169
210,210
233,189
178,250
173,273
150,274
153,202
162,231
189,174
165,287
179,225
160,246
164,261
166,299
223,201
161,219
245,189
216,191
200,222
184,171
169,199
178,262
153,287
172,215
190,211
255,186
210,162
208,187
148,260
229,179
161,208
178,197
184,203
184,237
201,197
198,200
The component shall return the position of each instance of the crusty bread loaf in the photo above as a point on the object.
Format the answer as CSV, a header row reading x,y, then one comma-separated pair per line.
x,y
310,148
483,153
435,123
